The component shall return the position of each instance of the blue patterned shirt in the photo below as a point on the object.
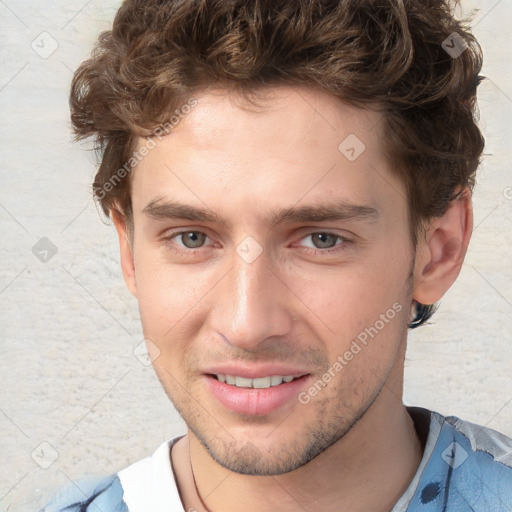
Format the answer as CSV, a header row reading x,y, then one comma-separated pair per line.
x,y
464,468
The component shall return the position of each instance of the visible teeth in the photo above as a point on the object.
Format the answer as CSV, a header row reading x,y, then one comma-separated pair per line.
x,y
276,380
261,382
258,383
242,382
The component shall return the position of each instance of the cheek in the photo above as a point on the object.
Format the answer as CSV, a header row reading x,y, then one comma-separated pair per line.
x,y
352,297
169,295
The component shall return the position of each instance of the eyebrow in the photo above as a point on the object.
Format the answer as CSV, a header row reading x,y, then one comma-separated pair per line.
x,y
338,211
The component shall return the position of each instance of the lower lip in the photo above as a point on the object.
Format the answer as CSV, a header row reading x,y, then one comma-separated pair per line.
x,y
255,401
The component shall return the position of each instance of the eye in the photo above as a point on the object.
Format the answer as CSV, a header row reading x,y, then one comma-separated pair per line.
x,y
190,239
323,240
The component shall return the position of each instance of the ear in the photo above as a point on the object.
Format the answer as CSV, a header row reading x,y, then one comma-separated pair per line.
x,y
441,251
125,249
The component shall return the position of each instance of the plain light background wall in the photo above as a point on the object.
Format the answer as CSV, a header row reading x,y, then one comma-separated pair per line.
x,y
74,399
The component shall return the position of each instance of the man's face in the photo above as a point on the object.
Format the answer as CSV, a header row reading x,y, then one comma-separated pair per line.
x,y
276,250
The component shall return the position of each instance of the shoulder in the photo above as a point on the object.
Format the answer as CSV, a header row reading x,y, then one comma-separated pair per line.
x,y
147,484
105,494
484,440
465,467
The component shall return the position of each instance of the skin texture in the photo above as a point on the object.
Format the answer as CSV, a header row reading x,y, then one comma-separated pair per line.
x,y
296,303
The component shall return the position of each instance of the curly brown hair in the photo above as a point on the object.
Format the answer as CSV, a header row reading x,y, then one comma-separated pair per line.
x,y
387,55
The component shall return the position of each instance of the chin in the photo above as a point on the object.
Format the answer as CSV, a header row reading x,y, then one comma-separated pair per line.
x,y
247,458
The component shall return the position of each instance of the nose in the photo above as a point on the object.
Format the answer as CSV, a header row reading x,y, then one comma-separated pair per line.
x,y
252,304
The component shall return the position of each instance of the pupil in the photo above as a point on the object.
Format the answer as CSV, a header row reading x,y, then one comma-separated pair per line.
x,y
324,240
193,239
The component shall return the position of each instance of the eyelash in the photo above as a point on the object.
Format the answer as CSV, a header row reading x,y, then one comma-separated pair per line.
x,y
176,248
339,247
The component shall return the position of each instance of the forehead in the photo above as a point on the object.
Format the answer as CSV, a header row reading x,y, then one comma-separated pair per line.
x,y
293,142
308,113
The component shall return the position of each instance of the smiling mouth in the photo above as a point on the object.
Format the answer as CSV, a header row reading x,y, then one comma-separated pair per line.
x,y
257,383
256,396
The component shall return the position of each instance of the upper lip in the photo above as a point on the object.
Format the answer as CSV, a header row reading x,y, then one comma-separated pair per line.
x,y
255,371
